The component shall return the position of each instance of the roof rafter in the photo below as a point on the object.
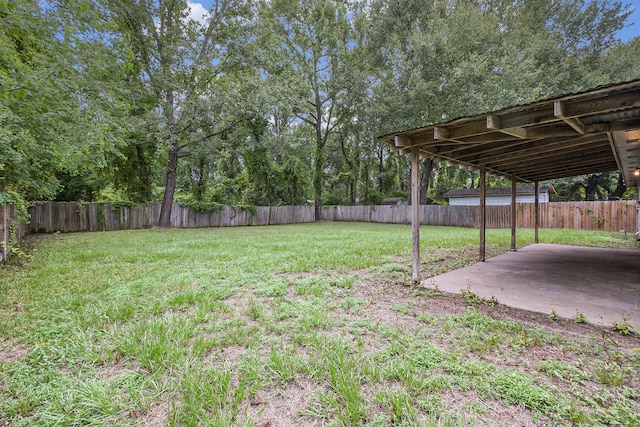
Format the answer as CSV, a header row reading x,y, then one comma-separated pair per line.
x,y
551,138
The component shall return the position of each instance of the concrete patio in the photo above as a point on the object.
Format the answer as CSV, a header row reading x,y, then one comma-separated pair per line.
x,y
603,284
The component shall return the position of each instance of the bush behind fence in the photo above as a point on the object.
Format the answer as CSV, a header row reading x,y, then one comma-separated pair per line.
x,y
72,217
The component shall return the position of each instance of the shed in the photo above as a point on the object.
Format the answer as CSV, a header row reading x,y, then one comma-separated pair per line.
x,y
499,196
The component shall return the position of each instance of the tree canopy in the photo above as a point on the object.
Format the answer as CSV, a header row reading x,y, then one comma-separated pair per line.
x,y
256,102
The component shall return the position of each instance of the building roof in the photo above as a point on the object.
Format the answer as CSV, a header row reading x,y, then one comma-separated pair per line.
x,y
587,132
498,191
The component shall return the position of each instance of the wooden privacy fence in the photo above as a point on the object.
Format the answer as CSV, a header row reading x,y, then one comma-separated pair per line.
x,y
70,217
10,234
605,216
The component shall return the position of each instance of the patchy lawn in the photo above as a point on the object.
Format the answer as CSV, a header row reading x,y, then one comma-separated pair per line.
x,y
293,325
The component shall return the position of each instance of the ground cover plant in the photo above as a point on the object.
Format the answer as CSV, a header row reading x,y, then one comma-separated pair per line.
x,y
314,324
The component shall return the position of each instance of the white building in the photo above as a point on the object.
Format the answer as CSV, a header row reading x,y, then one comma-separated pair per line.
x,y
498,195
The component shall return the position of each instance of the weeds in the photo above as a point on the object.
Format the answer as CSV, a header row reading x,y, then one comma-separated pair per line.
x,y
579,317
204,327
623,327
474,299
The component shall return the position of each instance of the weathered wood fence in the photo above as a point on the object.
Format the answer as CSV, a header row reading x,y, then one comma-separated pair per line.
x,y
7,237
72,217
605,216
69,217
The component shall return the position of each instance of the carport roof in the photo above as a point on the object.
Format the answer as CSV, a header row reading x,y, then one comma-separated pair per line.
x,y
593,131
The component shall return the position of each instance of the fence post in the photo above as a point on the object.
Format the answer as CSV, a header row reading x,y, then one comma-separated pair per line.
x,y
5,233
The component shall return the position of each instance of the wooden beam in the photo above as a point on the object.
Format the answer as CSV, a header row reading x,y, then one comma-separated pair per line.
x,y
483,211
415,213
624,124
564,173
513,212
594,155
574,122
638,211
537,117
440,133
614,150
536,211
467,130
470,165
609,103
572,162
493,123
489,147
531,147
402,141
425,155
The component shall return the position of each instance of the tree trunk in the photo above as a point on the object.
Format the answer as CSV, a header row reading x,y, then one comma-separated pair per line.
x,y
317,180
172,164
620,189
425,178
590,188
170,187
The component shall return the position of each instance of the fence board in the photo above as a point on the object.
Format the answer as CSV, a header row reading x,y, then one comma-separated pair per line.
x,y
71,217
7,217
605,216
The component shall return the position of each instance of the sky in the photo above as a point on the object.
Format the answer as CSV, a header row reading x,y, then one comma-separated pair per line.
x,y
634,29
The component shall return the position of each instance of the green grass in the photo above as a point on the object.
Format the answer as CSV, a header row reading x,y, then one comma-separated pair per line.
x,y
293,324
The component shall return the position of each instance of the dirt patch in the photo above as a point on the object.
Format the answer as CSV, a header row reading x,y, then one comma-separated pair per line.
x,y
155,416
282,408
11,352
493,412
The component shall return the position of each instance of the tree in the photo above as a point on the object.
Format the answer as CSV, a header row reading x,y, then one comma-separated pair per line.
x,y
312,43
443,59
55,117
598,186
194,67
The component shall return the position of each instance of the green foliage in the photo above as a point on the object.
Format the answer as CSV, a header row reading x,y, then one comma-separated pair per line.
x,y
96,98
8,198
579,317
622,327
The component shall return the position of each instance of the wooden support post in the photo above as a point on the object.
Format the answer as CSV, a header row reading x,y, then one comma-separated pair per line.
x,y
536,211
638,214
514,212
415,212
483,211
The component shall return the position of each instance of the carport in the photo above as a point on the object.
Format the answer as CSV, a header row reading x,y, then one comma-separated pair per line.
x,y
587,132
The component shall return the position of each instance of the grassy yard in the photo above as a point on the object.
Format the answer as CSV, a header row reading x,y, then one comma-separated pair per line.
x,y
311,324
